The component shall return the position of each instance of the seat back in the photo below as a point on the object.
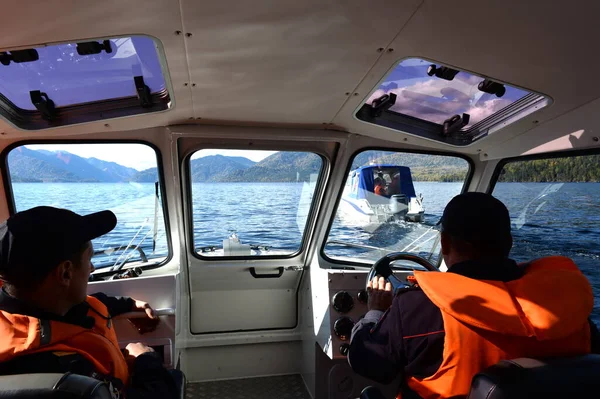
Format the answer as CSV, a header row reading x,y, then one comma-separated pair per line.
x,y
52,386
572,377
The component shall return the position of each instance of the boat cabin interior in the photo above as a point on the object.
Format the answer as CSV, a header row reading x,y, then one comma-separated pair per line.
x,y
222,135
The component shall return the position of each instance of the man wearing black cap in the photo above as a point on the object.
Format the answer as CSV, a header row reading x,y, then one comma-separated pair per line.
x,y
47,321
437,335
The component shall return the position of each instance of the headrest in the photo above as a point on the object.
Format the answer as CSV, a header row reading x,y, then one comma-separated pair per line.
x,y
52,386
572,377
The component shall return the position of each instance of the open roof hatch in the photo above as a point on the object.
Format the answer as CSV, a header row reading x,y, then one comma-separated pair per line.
x,y
444,104
64,84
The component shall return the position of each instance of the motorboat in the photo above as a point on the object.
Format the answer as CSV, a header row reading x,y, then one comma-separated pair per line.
x,y
395,201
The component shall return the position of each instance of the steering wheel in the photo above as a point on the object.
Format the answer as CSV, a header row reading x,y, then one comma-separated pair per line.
x,y
384,269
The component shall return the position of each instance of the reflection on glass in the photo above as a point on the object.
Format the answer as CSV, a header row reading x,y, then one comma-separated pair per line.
x,y
69,78
251,203
392,202
87,178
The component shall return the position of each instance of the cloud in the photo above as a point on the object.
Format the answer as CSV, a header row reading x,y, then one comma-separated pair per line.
x,y
436,99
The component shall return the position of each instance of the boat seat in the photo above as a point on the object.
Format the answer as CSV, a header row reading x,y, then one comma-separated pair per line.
x,y
524,378
67,386
569,377
52,386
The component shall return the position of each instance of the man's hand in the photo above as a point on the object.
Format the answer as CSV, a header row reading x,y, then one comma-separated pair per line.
x,y
145,307
137,348
380,294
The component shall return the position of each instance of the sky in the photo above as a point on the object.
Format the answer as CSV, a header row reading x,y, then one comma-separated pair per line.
x,y
435,99
137,156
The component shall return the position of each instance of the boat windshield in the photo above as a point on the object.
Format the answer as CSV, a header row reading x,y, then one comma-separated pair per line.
x,y
249,203
417,187
87,178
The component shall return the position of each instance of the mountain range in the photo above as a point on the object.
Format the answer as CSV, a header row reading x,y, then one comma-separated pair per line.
x,y
27,165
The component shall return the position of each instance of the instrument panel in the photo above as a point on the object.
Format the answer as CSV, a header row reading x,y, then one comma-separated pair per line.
x,y
348,304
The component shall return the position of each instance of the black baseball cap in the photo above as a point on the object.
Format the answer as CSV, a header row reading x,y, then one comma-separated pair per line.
x,y
477,218
36,240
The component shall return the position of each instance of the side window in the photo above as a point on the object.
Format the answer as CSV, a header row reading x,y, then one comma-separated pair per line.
x,y
251,203
554,206
392,202
87,178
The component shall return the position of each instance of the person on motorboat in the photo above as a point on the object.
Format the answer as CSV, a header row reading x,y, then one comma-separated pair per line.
x,y
435,336
48,324
394,187
379,186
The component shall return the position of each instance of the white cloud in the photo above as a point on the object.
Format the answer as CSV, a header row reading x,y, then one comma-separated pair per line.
x,y
436,99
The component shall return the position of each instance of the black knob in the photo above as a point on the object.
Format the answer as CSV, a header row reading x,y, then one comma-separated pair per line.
x,y
343,302
344,348
343,328
363,297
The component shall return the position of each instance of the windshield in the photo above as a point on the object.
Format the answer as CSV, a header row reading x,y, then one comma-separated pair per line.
x,y
261,200
392,202
87,178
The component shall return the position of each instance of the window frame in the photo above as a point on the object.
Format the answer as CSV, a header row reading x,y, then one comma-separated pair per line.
x,y
10,199
32,120
544,155
399,122
312,213
362,265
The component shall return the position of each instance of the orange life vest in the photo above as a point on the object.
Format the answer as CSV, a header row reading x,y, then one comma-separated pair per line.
x,y
542,314
25,335
380,190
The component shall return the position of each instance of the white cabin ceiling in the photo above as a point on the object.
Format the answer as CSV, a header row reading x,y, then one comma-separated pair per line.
x,y
287,62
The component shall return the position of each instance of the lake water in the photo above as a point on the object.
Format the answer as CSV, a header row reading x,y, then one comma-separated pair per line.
x,y
548,218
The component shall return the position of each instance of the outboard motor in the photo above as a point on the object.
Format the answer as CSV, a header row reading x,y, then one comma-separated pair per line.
x,y
399,206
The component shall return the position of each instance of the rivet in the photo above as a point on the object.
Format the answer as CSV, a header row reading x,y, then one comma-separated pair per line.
x,y
390,50
198,117
405,139
485,155
193,84
178,32
380,49
593,138
188,34
185,84
536,122
106,125
191,117
356,94
479,150
347,93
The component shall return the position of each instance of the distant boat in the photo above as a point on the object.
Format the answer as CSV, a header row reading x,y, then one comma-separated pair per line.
x,y
378,194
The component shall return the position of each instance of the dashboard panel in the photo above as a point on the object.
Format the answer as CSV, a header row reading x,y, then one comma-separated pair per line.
x,y
348,304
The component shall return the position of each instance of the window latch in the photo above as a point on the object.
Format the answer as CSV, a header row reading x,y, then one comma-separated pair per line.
x,y
44,104
143,92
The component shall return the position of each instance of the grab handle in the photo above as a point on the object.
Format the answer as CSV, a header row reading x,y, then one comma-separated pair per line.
x,y
255,275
